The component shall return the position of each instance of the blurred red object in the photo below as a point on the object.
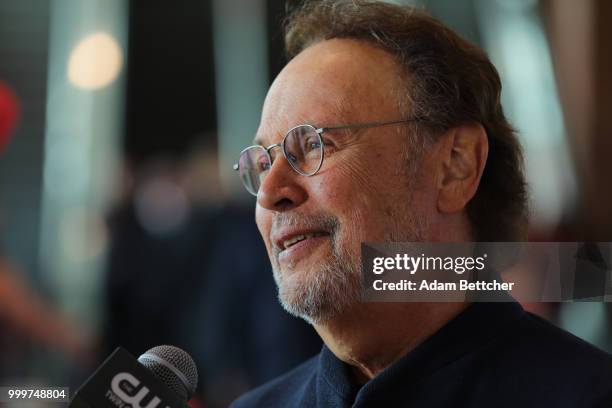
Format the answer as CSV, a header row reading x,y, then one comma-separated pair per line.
x,y
196,402
9,114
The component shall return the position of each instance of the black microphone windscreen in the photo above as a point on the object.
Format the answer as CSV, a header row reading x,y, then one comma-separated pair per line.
x,y
174,367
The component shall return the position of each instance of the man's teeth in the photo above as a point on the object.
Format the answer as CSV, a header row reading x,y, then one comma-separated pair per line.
x,y
289,242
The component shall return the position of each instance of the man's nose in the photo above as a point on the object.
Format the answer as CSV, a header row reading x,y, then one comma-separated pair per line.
x,y
282,188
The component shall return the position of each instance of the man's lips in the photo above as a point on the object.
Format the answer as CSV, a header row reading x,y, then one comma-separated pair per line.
x,y
301,246
286,239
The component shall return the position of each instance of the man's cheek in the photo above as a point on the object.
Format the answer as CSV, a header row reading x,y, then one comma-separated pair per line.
x,y
347,186
353,173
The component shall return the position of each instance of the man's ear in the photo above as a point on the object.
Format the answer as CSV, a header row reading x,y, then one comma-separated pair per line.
x,y
463,151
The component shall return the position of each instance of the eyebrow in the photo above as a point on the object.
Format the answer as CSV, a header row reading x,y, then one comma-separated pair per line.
x,y
338,110
258,141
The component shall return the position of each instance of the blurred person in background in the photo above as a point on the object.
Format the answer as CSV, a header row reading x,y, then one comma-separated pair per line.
x,y
25,317
417,148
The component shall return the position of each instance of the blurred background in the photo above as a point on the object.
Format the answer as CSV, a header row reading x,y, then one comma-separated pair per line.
x,y
122,222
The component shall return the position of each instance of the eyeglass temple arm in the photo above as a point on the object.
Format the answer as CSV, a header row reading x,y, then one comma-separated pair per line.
x,y
368,125
354,126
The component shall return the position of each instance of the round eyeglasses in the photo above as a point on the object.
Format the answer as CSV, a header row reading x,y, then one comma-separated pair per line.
x,y
303,148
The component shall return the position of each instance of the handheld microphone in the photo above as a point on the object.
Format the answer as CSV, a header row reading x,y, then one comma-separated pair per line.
x,y
163,377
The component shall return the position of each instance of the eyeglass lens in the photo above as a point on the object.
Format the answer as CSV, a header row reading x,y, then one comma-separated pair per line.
x,y
303,149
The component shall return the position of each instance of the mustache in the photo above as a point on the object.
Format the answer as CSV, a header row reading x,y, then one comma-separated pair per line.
x,y
321,221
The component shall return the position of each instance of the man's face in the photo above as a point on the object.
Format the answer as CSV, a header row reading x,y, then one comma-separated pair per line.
x,y
313,226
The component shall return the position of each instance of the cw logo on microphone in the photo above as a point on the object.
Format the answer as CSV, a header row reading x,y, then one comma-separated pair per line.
x,y
124,392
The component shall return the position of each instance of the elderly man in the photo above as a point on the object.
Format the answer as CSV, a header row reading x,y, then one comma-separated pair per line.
x,y
386,126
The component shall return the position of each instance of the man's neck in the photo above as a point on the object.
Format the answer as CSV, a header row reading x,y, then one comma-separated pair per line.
x,y
372,336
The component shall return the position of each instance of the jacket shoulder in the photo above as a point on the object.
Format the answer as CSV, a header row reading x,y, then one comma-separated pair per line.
x,y
549,340
554,360
284,391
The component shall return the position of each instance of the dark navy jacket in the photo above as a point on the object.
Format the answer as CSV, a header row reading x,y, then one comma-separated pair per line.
x,y
491,355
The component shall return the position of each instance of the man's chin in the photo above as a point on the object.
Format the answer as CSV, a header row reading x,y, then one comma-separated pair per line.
x,y
295,278
313,315
312,301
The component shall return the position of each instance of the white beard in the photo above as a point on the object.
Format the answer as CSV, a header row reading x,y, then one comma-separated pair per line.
x,y
323,294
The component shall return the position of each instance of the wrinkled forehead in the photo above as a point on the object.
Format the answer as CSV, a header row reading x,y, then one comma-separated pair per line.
x,y
330,83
